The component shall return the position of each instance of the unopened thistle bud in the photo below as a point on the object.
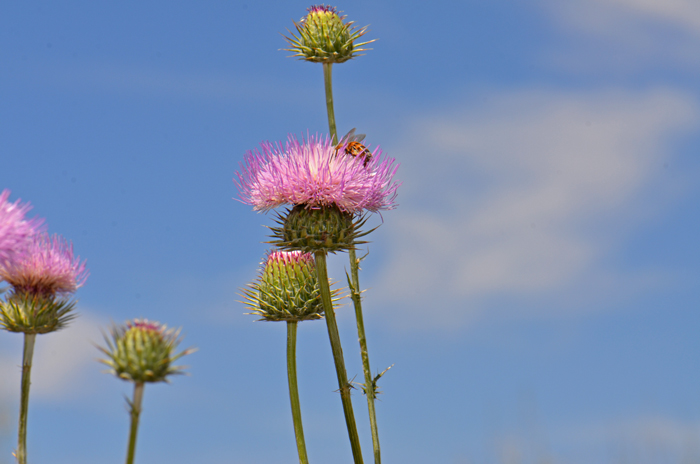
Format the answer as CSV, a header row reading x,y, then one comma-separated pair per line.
x,y
287,288
143,351
318,229
324,37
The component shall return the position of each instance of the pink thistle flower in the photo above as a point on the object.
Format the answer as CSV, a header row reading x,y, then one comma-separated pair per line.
x,y
15,230
47,267
322,9
145,324
315,174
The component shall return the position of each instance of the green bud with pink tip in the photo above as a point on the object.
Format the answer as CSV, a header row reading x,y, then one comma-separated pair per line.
x,y
143,351
287,288
323,36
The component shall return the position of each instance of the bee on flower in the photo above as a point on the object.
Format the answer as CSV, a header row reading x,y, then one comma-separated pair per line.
x,y
351,145
309,173
328,195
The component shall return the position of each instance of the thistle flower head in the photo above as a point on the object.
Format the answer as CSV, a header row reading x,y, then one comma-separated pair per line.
x,y
46,267
287,288
15,230
315,174
323,36
143,351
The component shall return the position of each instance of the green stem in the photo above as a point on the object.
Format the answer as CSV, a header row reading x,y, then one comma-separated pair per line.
x,y
343,384
135,413
369,382
294,390
27,356
355,287
328,82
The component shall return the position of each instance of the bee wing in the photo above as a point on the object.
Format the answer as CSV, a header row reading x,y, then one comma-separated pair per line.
x,y
349,137
359,137
352,137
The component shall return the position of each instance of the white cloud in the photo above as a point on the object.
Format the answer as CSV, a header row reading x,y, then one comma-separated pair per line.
x,y
650,430
624,34
643,439
525,194
652,439
61,359
679,13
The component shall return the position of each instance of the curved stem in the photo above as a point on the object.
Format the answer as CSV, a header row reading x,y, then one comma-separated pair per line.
x,y
294,390
343,384
135,414
370,388
27,356
328,83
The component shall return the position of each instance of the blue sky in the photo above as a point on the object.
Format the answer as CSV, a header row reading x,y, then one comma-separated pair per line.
x,y
536,290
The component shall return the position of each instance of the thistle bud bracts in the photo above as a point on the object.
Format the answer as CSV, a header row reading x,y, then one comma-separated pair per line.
x,y
323,37
143,351
35,314
287,288
317,229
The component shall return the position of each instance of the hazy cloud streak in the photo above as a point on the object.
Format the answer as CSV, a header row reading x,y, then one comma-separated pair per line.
x,y
525,194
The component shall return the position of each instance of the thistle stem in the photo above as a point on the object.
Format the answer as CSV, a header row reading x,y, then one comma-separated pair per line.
x,y
27,356
343,384
135,414
355,285
328,83
294,390
370,388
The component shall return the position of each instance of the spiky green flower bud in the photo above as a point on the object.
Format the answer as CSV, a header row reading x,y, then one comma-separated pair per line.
x,y
323,37
318,229
143,351
287,288
35,314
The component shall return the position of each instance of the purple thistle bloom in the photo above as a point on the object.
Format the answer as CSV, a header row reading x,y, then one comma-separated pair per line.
x,y
47,267
322,9
15,230
315,174
145,324
289,257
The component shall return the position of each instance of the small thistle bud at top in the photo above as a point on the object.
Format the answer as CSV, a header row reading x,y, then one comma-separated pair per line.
x,y
287,288
42,277
324,37
143,351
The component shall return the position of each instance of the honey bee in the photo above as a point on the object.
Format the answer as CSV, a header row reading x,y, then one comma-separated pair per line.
x,y
353,147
